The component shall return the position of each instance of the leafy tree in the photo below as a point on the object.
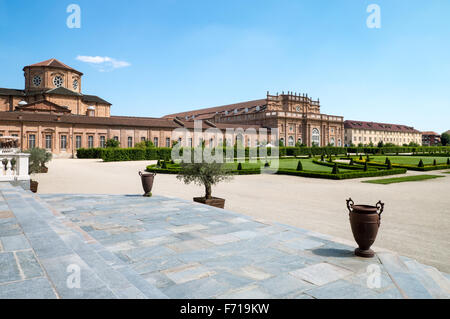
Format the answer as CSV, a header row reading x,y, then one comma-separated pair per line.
x,y
112,143
445,139
204,174
299,166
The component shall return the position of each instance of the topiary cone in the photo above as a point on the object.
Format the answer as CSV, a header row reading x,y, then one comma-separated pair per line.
x,y
299,166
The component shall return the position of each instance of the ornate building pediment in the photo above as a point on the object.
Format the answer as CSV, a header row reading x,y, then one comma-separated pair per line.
x,y
43,106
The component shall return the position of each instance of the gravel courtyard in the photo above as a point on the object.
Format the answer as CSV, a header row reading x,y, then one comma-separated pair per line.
x,y
416,221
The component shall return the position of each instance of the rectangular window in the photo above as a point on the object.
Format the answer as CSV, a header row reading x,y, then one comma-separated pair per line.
x,y
190,142
31,141
78,141
155,141
102,141
142,139
63,142
116,138
167,141
48,142
15,135
90,141
130,141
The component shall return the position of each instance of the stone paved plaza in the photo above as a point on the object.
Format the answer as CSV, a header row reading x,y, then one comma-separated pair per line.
x,y
160,247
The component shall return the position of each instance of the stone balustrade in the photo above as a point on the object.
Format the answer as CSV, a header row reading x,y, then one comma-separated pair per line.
x,y
13,166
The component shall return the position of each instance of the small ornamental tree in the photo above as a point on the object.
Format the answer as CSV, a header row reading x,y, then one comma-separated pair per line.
x,y
335,169
112,143
322,157
360,157
351,161
434,162
299,166
204,174
448,161
330,159
239,167
158,163
389,165
38,158
164,165
368,158
421,163
366,167
386,161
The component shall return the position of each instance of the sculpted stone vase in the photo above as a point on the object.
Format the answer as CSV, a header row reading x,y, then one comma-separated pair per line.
x,y
147,183
365,222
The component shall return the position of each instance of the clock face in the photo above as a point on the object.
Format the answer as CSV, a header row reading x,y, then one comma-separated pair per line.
x,y
298,108
37,80
58,81
75,84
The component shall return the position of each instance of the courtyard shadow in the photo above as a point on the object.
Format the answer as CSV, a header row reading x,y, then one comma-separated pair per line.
x,y
333,252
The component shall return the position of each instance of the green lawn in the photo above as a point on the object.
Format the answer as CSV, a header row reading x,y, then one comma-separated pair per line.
x,y
308,165
409,160
413,178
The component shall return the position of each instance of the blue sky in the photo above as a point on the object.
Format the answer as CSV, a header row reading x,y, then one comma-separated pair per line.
x,y
171,56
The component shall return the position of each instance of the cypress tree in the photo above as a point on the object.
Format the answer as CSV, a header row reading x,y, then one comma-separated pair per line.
x,y
360,157
239,167
448,161
299,166
389,165
335,169
366,167
386,161
434,162
420,163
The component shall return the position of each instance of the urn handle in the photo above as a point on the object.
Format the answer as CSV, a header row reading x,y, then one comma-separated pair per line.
x,y
140,173
380,208
350,204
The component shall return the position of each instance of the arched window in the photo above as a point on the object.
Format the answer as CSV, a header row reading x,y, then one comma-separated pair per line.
x,y
315,138
282,141
299,141
291,141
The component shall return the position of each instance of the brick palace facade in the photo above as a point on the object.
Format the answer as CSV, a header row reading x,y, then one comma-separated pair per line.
x,y
53,113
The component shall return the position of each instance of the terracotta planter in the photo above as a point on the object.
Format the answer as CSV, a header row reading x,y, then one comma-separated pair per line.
x,y
365,221
147,183
215,201
34,186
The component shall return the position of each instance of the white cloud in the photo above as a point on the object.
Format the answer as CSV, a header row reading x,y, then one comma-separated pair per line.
x,y
104,63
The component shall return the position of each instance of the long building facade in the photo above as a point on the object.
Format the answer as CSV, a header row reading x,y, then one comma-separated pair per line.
x,y
52,112
366,133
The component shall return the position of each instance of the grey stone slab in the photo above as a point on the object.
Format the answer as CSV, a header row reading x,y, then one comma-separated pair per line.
x,y
232,280
303,244
138,254
11,243
148,289
188,272
156,264
248,292
320,274
29,264
48,245
9,271
342,289
38,288
196,289
284,285
158,279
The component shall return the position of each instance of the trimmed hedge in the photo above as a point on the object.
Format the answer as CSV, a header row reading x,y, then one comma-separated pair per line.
x,y
343,175
90,152
136,154
426,168
176,169
340,165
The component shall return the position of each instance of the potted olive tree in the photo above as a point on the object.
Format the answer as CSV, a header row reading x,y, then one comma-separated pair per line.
x,y
207,175
38,158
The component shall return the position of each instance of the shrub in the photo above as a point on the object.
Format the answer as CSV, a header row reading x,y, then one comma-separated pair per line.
x,y
90,152
267,164
420,164
335,169
112,143
299,166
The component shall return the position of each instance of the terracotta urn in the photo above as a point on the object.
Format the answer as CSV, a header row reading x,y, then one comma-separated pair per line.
x,y
365,222
147,183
